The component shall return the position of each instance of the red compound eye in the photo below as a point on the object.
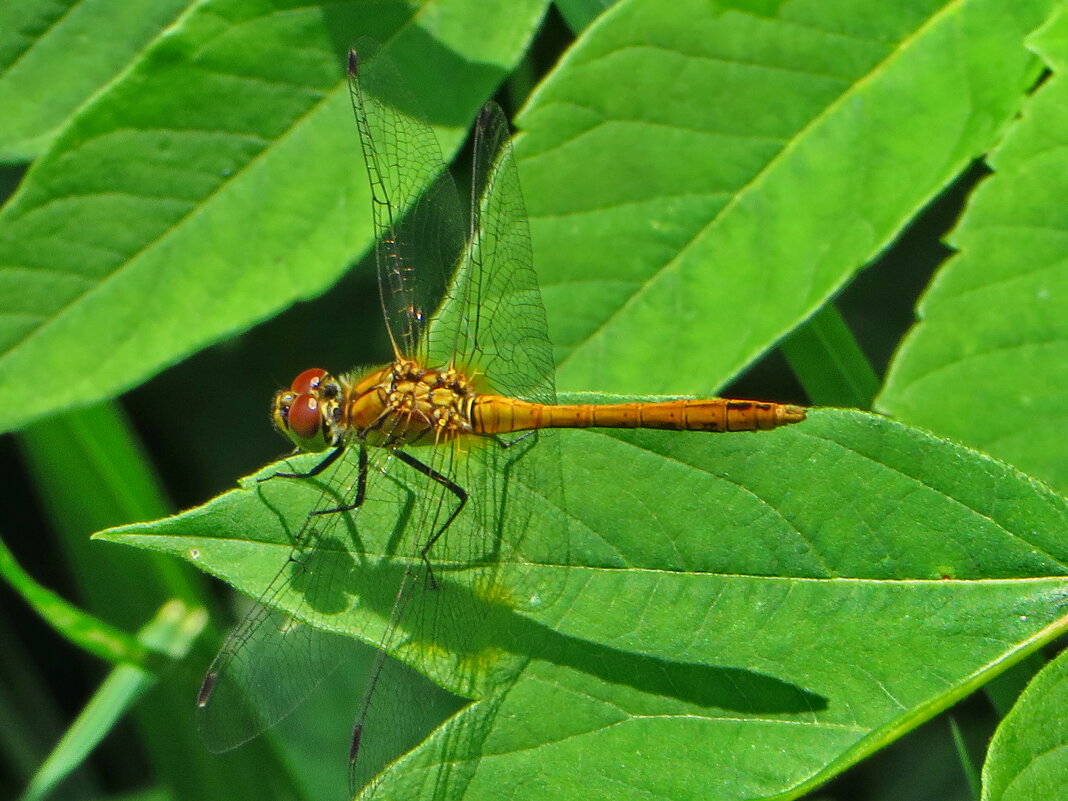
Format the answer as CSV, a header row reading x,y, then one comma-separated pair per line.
x,y
304,419
308,380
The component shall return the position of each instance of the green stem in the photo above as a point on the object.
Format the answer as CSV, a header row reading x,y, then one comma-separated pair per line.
x,y
172,631
829,363
84,630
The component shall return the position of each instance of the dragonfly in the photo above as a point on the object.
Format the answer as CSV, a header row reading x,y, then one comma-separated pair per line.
x,y
449,434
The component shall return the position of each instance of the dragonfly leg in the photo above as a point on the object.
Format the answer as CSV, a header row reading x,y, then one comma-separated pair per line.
x,y
361,487
324,463
502,442
451,486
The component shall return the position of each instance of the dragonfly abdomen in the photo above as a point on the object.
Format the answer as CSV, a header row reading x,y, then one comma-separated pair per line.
x,y
493,414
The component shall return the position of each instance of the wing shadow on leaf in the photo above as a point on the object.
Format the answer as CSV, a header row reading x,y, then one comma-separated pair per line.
x,y
490,632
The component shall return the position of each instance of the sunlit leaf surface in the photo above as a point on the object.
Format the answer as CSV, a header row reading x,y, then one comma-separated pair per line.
x,y
763,609
988,362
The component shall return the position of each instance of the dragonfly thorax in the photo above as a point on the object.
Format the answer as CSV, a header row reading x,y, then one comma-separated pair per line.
x,y
405,402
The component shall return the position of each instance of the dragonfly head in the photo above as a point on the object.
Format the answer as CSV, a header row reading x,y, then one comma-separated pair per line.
x,y
308,411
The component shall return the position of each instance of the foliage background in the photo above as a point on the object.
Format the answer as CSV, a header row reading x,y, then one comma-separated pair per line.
x,y
755,157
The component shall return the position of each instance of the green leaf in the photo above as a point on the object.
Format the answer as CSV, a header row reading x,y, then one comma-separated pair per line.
x,y
1028,757
53,57
749,613
759,155
988,362
217,182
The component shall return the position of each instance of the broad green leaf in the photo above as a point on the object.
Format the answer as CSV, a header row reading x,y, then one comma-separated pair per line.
x,y
988,362
53,56
702,176
1028,757
218,181
746,613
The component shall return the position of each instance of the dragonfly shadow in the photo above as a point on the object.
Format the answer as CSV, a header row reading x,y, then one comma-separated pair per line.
x,y
502,459
319,576
407,498
327,546
466,623
708,686
480,633
704,685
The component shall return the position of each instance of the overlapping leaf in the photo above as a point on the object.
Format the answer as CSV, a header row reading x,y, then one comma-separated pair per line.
x,y
52,58
759,156
988,362
1028,757
218,181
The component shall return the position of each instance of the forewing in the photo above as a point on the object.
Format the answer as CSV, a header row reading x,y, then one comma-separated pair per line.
x,y
268,666
415,207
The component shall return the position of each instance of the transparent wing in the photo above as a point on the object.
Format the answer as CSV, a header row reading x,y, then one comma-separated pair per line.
x,y
268,666
459,627
492,320
454,623
416,209
466,632
273,660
